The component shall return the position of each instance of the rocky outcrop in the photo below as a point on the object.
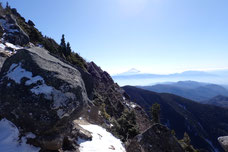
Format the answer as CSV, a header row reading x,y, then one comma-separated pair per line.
x,y
12,32
42,95
158,138
224,142
3,57
106,91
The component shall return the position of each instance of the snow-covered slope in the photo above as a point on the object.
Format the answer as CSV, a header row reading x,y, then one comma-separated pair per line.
x,y
102,141
9,139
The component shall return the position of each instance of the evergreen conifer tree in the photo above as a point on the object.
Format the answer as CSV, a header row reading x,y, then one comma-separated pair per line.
x,y
63,45
68,48
155,112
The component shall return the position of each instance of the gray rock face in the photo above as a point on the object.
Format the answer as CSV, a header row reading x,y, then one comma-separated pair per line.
x,y
106,91
42,95
158,138
3,57
12,32
224,142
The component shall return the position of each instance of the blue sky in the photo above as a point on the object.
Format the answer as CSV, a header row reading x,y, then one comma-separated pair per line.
x,y
156,36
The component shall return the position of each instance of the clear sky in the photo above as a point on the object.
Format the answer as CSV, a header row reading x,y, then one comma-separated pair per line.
x,y
156,36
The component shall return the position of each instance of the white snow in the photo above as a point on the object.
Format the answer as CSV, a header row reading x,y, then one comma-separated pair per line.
x,y
34,80
10,45
13,30
42,89
9,140
102,141
2,46
40,46
16,73
8,27
30,135
133,105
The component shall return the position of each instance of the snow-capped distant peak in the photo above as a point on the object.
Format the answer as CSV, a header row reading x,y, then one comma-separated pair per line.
x,y
132,71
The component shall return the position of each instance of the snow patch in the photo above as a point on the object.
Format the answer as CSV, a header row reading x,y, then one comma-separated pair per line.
x,y
34,80
16,73
102,141
10,28
2,46
9,139
133,105
10,45
30,135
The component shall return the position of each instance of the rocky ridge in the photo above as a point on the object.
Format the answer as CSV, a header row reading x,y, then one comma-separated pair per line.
x,y
45,95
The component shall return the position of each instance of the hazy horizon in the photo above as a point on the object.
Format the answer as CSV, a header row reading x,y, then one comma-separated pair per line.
x,y
153,36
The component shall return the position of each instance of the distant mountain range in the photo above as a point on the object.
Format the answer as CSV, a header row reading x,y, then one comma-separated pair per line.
x,y
190,89
219,100
204,123
135,77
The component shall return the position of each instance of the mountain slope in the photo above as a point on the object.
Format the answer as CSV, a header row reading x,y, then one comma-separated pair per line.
x,y
189,89
204,123
45,94
219,100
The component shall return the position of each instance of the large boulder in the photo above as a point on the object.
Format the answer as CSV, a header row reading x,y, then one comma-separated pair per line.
x,y
42,95
158,138
224,142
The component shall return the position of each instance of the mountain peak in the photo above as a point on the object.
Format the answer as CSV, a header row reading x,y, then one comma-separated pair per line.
x,y
132,71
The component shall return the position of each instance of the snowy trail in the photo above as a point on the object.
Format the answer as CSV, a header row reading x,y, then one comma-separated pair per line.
x,y
102,141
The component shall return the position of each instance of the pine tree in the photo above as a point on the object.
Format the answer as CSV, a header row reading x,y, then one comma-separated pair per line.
x,y
155,112
68,49
7,5
63,45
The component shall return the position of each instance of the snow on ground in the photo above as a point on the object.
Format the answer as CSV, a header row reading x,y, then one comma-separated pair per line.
x,y
2,46
9,140
16,73
9,48
102,141
8,27
10,45
133,105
